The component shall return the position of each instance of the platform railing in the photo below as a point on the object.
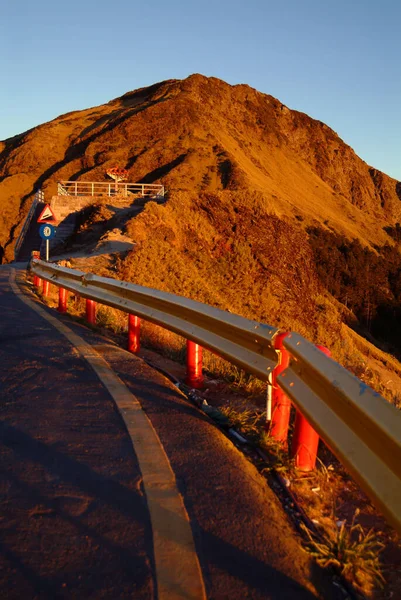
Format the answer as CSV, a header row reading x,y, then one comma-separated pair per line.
x,y
104,188
360,427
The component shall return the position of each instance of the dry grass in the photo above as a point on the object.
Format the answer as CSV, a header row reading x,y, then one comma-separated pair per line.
x,y
354,551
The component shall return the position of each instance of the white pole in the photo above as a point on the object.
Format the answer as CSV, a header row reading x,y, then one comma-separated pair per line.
x,y
269,398
47,249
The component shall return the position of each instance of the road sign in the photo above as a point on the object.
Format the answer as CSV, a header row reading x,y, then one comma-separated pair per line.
x,y
47,215
47,231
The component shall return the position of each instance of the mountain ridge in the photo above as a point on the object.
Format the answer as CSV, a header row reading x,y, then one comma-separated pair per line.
x,y
202,134
269,214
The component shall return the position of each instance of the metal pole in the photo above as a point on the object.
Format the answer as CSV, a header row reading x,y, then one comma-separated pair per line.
x,y
305,440
269,398
281,405
91,311
47,250
62,300
194,377
134,330
45,289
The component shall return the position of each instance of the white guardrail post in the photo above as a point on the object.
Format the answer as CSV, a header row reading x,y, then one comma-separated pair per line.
x,y
359,426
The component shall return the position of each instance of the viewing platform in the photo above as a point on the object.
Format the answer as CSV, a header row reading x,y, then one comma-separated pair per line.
x,y
106,188
73,196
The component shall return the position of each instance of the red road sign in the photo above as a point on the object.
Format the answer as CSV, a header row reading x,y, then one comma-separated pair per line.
x,y
47,215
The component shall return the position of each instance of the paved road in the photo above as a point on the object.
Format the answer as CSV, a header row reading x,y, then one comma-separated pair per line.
x,y
113,486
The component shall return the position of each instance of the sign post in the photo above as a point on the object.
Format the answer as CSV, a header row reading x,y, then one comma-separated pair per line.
x,y
46,232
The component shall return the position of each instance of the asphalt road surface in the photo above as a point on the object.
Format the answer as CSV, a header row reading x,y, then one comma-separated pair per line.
x,y
114,486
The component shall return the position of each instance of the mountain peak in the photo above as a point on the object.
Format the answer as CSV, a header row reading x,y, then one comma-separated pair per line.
x,y
203,134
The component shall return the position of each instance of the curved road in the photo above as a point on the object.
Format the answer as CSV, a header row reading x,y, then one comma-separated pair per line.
x,y
113,486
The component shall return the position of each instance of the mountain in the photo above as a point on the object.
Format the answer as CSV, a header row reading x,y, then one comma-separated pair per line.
x,y
269,213
201,134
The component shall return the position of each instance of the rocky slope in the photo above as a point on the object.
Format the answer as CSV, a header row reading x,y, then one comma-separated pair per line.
x,y
203,134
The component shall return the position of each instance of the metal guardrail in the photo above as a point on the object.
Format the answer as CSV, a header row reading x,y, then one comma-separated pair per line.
x,y
246,343
359,425
92,188
39,197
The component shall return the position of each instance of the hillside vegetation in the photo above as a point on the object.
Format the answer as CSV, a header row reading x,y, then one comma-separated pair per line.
x,y
269,213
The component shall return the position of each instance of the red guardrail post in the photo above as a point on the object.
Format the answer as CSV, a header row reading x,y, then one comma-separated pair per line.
x,y
281,405
91,311
194,377
36,281
134,330
45,289
62,300
305,440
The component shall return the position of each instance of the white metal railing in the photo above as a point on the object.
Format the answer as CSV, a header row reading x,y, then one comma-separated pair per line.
x,y
359,426
39,198
105,188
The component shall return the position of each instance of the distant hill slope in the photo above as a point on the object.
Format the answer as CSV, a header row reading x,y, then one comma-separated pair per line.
x,y
203,134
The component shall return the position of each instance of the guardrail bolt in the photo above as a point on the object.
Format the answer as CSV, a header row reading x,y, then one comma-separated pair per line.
x,y
62,300
134,331
45,289
194,377
281,405
305,440
91,311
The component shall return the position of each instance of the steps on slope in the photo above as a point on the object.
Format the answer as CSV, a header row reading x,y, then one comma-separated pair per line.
x,y
32,240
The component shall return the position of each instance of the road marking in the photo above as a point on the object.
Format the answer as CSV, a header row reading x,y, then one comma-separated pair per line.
x,y
178,573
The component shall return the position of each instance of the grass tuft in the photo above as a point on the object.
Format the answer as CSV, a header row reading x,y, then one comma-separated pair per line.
x,y
245,421
354,551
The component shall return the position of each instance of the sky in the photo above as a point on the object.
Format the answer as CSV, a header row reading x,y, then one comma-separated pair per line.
x,y
338,61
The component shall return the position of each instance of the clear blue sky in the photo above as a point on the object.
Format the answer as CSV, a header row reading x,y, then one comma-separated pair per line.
x,y
339,61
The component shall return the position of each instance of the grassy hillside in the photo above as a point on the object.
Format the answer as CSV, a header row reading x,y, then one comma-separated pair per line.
x,y
226,249
264,205
201,134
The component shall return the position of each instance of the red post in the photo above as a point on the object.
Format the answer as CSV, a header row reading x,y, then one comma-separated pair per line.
x,y
45,289
62,300
194,376
281,405
91,311
305,440
36,281
134,330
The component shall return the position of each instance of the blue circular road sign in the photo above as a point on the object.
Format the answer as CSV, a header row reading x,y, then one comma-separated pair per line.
x,y
47,231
